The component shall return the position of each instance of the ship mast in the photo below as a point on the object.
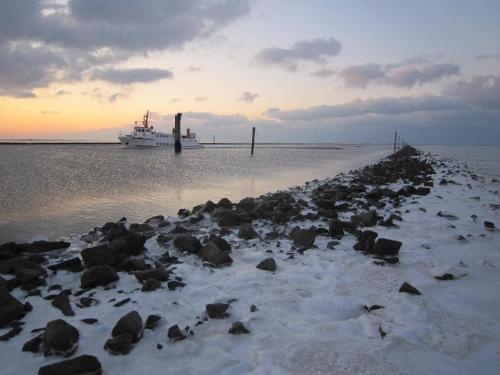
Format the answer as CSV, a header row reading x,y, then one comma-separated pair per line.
x,y
145,119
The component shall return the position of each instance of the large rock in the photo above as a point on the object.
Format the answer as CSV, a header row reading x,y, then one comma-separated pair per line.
x,y
11,266
187,243
159,274
129,324
304,238
225,203
247,204
101,256
336,229
229,219
220,242
25,275
82,365
383,247
43,246
98,276
268,264
212,254
60,337
71,265
366,241
368,219
10,309
130,244
247,232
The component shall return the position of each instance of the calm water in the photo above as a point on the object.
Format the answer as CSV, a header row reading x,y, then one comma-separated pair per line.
x,y
58,190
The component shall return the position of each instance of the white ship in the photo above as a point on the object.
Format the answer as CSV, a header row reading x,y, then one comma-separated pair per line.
x,y
146,136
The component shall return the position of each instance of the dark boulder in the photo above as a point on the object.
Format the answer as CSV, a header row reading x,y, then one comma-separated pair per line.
x,y
179,229
247,232
410,289
130,244
220,242
174,284
70,265
62,303
247,204
268,264
101,256
187,243
150,284
304,238
175,333
12,333
225,203
60,337
366,241
33,345
368,219
217,310
384,247
238,328
423,191
10,309
98,276
133,264
445,277
8,250
129,324
25,275
120,344
159,274
43,246
82,365
229,219
489,225
212,254
152,322
209,206
10,266
336,229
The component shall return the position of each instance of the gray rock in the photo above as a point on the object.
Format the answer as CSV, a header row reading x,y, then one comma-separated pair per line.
x,y
247,232
71,265
225,203
152,321
175,333
101,256
187,243
120,344
10,309
129,324
238,328
220,242
98,276
410,289
150,284
33,345
62,303
82,365
304,238
159,274
489,225
268,264
368,219
60,337
212,254
384,247
217,310
129,244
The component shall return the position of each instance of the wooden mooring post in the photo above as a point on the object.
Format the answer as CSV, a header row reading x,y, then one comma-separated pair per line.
x,y
253,139
178,145
395,139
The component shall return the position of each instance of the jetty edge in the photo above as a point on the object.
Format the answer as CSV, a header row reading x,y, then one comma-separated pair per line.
x,y
392,267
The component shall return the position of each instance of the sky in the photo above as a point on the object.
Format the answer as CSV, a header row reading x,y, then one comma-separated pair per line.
x,y
352,71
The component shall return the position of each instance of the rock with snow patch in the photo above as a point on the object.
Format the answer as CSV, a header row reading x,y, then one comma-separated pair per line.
x,y
384,247
410,289
366,241
187,243
175,333
212,254
60,337
129,324
33,345
119,344
238,328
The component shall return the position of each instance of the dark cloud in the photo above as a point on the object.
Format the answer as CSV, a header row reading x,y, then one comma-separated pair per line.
x,y
323,73
85,34
316,50
128,76
248,97
481,91
385,106
396,74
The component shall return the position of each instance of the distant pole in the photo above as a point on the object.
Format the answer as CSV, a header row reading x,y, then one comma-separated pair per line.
x,y
178,146
253,138
213,138
395,138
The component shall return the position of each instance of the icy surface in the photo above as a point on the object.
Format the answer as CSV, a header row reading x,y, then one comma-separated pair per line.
x,y
310,316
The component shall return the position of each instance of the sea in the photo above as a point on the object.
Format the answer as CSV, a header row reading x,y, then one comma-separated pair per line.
x,y
51,191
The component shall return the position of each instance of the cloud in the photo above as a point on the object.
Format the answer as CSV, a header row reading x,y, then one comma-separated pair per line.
x,y
63,39
481,91
200,98
323,73
62,93
248,97
44,112
315,50
395,74
494,56
194,68
362,75
128,76
175,100
385,106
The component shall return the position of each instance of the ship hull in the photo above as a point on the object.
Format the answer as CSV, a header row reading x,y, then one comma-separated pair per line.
x,y
131,142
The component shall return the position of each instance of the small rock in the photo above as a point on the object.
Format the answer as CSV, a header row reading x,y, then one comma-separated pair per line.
x,y
152,321
268,264
159,274
407,288
122,302
119,344
247,232
175,333
217,310
90,320
33,345
304,238
445,276
98,276
253,308
174,284
62,303
212,254
187,243
129,324
384,247
238,328
12,333
70,265
489,225
150,285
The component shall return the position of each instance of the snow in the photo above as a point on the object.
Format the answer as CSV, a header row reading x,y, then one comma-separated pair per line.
x,y
311,317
